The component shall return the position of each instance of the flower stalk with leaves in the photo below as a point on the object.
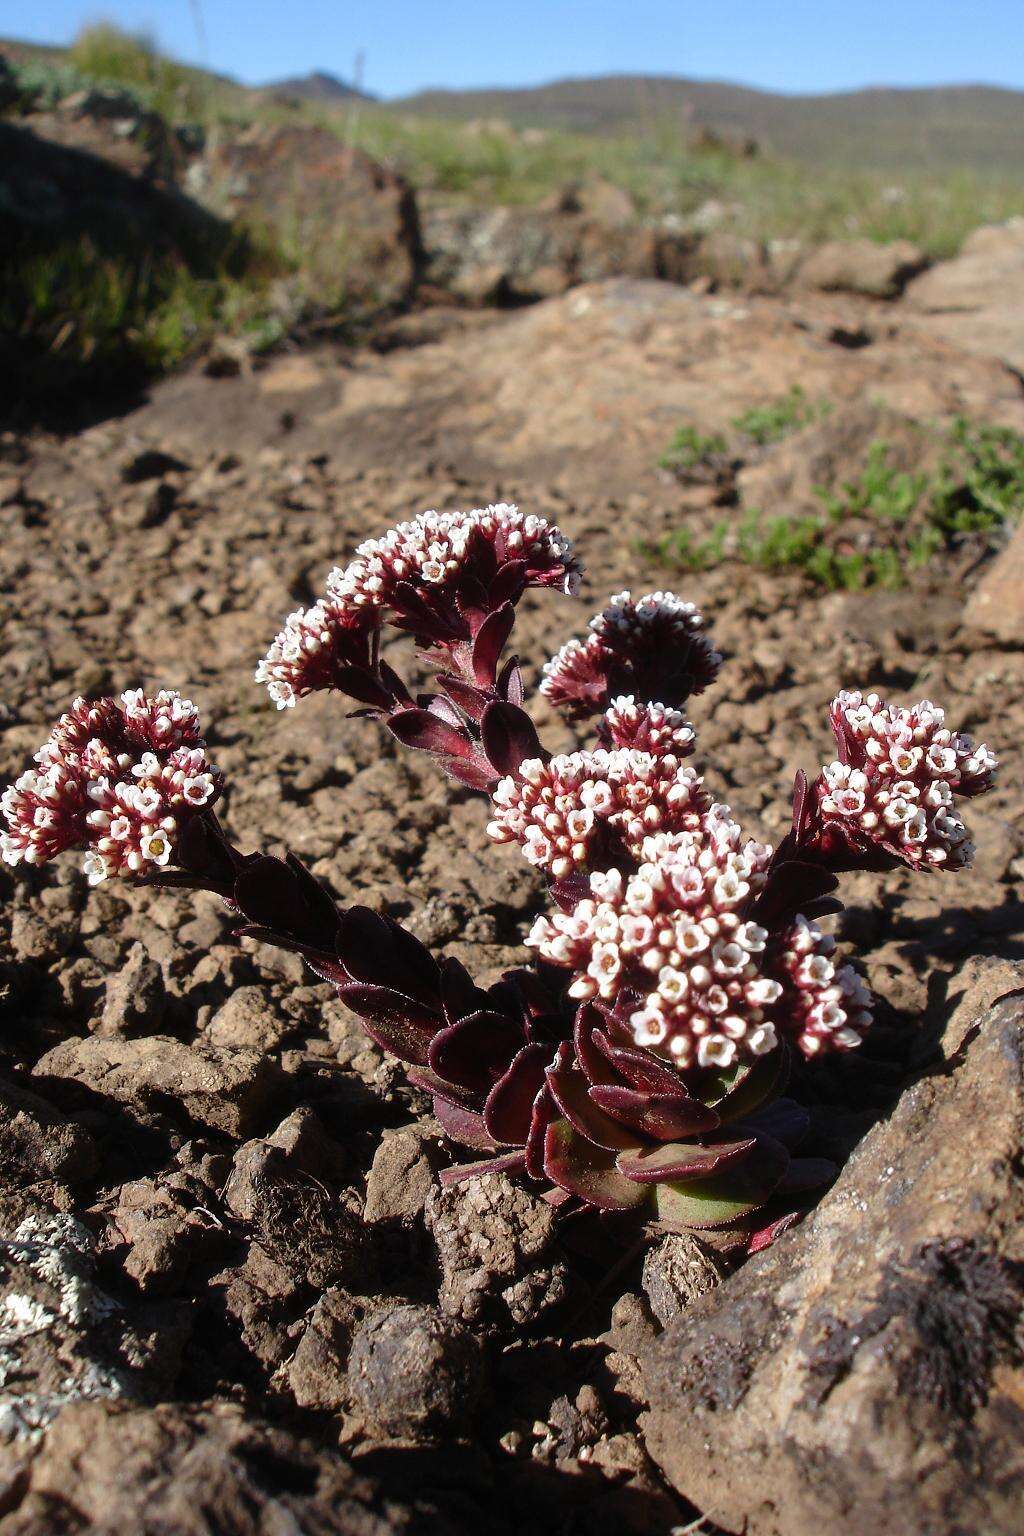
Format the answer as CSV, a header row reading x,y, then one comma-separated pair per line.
x,y
639,1062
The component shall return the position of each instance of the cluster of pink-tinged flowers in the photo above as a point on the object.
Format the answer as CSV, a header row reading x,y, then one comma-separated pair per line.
x,y
117,777
639,1062
654,648
586,807
437,576
896,779
670,951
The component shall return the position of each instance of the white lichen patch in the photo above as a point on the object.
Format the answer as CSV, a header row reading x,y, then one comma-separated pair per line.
x,y
49,1303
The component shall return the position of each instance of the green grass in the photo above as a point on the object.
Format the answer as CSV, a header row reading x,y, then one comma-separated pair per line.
x,y
764,424
879,527
690,451
81,302
77,317
765,198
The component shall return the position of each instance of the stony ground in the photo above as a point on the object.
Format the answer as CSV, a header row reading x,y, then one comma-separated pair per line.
x,y
235,1296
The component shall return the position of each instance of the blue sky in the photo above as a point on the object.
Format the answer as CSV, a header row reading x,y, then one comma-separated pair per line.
x,y
790,45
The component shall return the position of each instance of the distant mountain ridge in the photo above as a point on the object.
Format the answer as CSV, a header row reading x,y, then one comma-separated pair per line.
x,y
318,85
980,127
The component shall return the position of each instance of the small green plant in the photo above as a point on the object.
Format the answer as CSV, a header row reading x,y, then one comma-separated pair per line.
x,y
881,491
877,526
980,484
108,55
764,424
692,450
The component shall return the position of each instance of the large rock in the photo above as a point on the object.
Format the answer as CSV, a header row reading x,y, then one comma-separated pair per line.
x,y
866,1372
219,1089
977,299
996,606
512,255
862,266
196,1473
343,209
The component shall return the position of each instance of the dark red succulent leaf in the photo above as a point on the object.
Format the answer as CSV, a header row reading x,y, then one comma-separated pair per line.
x,y
460,995
491,639
673,1161
726,1198
474,772
576,1165
595,1065
507,1162
391,680
444,709
398,1023
433,620
376,949
570,1091
508,584
366,687
422,729
763,1236
451,1093
663,1116
640,1068
792,886
470,699
464,1126
545,1113
509,683
282,896
509,737
476,1051
325,966
508,1111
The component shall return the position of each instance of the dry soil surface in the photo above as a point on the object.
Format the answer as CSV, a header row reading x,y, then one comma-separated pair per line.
x,y
255,1305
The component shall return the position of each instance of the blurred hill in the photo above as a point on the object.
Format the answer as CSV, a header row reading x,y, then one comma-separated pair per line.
x,y
976,127
318,86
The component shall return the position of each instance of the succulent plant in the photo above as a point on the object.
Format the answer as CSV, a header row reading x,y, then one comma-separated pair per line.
x,y
639,1063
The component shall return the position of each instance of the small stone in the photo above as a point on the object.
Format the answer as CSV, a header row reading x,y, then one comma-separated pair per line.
x,y
223,1090
495,1244
412,1371
317,1371
402,1175
249,1019
677,1271
135,997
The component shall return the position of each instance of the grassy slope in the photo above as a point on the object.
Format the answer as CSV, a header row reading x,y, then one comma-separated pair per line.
x,y
975,128
635,134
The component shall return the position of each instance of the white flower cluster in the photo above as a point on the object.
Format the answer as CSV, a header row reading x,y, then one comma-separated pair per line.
x,y
556,810
116,776
672,935
133,823
903,771
649,728
659,635
303,656
662,612
438,547
706,987
830,1006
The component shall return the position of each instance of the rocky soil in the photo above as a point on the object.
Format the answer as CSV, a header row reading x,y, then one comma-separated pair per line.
x,y
233,1295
